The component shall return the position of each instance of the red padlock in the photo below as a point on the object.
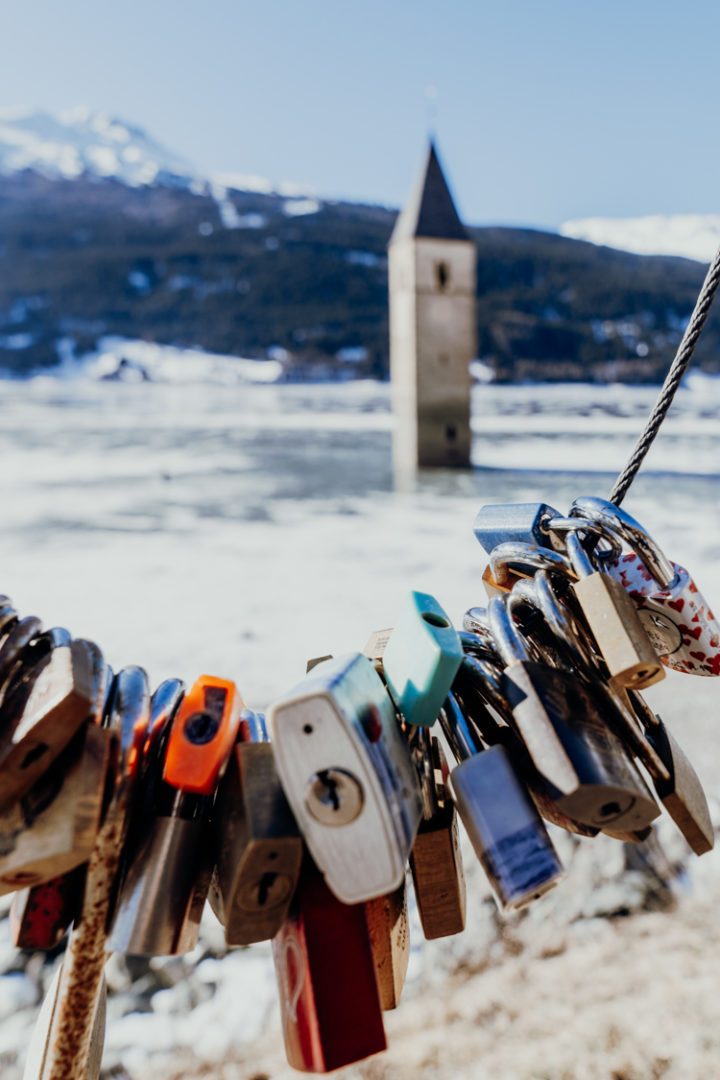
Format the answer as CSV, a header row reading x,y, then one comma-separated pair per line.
x,y
329,997
41,915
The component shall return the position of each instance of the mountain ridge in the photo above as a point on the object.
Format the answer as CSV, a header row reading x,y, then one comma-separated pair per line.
x,y
262,273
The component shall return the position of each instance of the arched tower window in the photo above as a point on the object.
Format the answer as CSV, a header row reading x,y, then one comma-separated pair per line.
x,y
442,275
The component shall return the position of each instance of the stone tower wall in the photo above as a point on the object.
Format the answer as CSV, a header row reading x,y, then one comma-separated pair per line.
x,y
432,341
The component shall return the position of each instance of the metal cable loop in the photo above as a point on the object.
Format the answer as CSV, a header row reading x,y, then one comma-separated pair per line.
x,y
672,381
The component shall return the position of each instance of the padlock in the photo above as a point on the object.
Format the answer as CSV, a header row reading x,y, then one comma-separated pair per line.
x,y
8,615
596,782
504,827
259,848
613,622
500,522
163,894
314,661
638,837
389,932
572,637
676,616
329,998
347,775
38,650
492,586
680,790
421,659
436,859
479,685
64,695
72,1036
40,915
53,827
574,653
376,644
17,637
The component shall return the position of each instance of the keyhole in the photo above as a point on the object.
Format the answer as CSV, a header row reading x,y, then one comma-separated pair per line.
x,y
331,796
265,885
334,796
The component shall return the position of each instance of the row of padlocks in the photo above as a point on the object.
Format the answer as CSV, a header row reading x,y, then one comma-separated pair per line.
x,y
124,812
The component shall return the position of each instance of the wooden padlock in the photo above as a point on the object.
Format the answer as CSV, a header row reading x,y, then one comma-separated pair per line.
x,y
436,860
54,706
389,931
53,827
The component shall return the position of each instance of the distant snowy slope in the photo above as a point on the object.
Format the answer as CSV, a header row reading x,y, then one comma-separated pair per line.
x,y
78,141
694,236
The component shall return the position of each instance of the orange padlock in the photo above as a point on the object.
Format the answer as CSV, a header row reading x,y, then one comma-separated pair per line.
x,y
203,734
168,873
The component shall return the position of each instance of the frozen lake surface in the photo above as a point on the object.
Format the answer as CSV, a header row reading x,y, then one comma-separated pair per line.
x,y
244,529
241,530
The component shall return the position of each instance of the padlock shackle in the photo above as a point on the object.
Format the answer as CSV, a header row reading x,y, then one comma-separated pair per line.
x,y
580,561
420,741
618,520
510,643
476,645
486,680
253,727
457,730
475,622
563,525
519,557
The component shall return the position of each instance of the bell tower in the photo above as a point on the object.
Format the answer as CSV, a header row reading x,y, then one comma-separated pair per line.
x,y
432,326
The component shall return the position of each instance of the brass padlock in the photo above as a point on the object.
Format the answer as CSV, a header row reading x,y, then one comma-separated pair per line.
x,y
389,932
166,883
54,826
435,859
614,622
64,695
258,843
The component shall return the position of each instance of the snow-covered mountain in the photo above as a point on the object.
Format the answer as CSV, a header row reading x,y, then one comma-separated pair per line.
x,y
694,236
80,142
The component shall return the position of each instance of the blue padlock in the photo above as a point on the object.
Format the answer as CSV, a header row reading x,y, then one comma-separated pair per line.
x,y
421,659
496,523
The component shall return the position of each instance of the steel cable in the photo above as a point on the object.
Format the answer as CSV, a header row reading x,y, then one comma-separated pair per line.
x,y
673,379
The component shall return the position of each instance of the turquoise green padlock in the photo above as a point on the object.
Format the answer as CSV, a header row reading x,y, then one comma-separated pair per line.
x,y
421,659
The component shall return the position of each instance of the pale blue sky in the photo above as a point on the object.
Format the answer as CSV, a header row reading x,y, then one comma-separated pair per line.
x,y
546,110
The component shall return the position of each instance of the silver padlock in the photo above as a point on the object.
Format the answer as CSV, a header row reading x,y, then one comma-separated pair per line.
x,y
348,776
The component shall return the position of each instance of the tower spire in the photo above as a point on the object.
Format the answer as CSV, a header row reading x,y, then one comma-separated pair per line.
x,y
431,211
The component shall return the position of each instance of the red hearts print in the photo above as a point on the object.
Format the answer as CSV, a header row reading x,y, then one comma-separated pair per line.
x,y
676,605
